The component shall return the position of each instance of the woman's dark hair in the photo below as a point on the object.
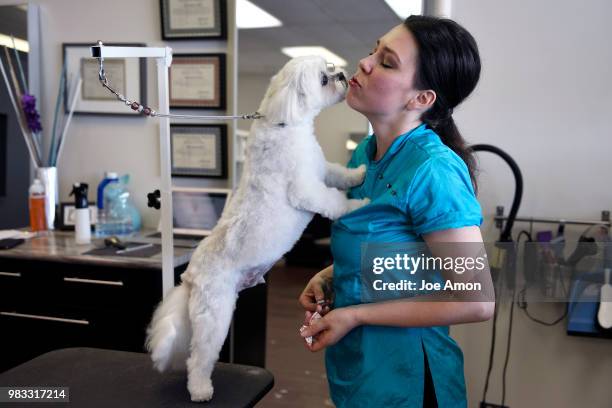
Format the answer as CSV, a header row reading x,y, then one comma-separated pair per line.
x,y
449,64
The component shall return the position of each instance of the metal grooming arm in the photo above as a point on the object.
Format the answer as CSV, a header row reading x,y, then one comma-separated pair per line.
x,y
163,57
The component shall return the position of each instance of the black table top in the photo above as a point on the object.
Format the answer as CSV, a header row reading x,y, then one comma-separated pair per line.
x,y
110,378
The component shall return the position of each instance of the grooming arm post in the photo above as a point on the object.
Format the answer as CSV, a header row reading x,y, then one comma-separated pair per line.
x,y
103,51
164,60
163,63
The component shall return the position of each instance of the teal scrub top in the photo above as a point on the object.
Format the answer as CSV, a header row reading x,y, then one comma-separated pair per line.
x,y
420,185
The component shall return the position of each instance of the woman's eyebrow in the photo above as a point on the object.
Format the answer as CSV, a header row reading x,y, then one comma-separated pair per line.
x,y
390,51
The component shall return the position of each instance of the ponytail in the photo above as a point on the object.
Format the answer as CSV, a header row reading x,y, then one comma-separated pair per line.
x,y
450,136
449,64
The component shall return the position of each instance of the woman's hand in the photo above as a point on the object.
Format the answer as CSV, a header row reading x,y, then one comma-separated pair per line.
x,y
329,329
318,294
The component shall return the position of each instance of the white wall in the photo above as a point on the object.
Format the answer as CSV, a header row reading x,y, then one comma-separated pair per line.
x,y
126,145
544,97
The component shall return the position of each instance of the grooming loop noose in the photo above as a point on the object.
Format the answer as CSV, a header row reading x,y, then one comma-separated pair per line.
x,y
147,111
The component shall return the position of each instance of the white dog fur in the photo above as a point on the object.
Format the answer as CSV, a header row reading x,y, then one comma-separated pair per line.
x,y
285,181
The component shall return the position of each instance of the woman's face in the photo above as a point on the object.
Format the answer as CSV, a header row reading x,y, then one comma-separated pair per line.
x,y
383,83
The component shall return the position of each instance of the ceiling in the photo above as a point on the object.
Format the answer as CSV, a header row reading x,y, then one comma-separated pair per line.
x,y
14,20
348,28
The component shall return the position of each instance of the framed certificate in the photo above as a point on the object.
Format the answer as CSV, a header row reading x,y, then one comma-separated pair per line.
x,y
198,150
92,91
197,81
125,75
193,19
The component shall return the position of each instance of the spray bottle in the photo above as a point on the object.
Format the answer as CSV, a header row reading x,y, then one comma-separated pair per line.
x,y
82,226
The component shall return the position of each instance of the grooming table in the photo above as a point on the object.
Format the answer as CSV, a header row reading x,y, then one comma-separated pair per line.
x,y
110,378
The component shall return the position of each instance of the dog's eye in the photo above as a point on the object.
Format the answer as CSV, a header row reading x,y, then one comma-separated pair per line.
x,y
324,80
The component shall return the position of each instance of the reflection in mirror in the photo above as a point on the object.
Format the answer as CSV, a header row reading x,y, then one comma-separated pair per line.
x,y
14,157
347,29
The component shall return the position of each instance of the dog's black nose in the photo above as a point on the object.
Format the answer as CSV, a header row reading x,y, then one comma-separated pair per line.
x,y
341,77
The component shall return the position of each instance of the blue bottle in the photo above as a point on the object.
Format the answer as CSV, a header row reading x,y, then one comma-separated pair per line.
x,y
104,224
119,216
109,177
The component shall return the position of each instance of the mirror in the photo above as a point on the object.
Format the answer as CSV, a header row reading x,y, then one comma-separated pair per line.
x,y
14,158
347,28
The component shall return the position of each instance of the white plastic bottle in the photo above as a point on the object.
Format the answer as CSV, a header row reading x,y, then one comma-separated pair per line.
x,y
82,227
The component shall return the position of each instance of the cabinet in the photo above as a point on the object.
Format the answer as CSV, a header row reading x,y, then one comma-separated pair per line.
x,y
53,297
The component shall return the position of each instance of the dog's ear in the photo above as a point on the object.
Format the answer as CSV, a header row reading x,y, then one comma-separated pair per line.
x,y
285,99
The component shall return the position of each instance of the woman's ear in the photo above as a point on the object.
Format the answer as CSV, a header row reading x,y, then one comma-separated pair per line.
x,y
422,101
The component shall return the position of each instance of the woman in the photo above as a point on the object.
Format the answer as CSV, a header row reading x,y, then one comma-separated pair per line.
x,y
420,178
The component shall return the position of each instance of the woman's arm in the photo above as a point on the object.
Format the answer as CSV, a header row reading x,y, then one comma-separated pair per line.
x,y
404,313
328,272
318,289
438,313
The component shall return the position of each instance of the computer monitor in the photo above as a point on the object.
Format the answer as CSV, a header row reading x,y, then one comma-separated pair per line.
x,y
196,210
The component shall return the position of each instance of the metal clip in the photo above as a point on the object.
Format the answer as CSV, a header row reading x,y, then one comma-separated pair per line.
x,y
101,73
255,115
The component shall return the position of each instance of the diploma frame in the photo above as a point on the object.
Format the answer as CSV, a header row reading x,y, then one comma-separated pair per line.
x,y
182,169
216,30
135,80
218,100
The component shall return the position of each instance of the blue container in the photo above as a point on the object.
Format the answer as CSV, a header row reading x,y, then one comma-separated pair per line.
x,y
119,216
109,177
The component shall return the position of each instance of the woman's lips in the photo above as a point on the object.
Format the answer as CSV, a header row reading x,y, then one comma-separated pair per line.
x,y
354,83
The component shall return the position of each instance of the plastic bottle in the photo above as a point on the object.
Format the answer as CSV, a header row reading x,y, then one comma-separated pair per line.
x,y
82,227
36,203
120,215
109,177
104,223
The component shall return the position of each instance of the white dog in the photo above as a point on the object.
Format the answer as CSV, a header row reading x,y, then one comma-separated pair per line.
x,y
285,181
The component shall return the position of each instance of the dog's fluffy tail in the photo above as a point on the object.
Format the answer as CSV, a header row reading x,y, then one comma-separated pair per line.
x,y
169,334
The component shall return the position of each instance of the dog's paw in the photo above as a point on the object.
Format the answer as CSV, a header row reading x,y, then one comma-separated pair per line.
x,y
358,175
354,204
200,389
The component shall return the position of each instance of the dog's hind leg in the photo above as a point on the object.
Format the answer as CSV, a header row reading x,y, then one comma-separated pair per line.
x,y
211,306
342,177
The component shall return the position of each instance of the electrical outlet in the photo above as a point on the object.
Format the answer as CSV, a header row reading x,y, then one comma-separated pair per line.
x,y
484,404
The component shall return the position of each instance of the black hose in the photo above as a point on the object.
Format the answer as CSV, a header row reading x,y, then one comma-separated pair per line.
x,y
506,234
